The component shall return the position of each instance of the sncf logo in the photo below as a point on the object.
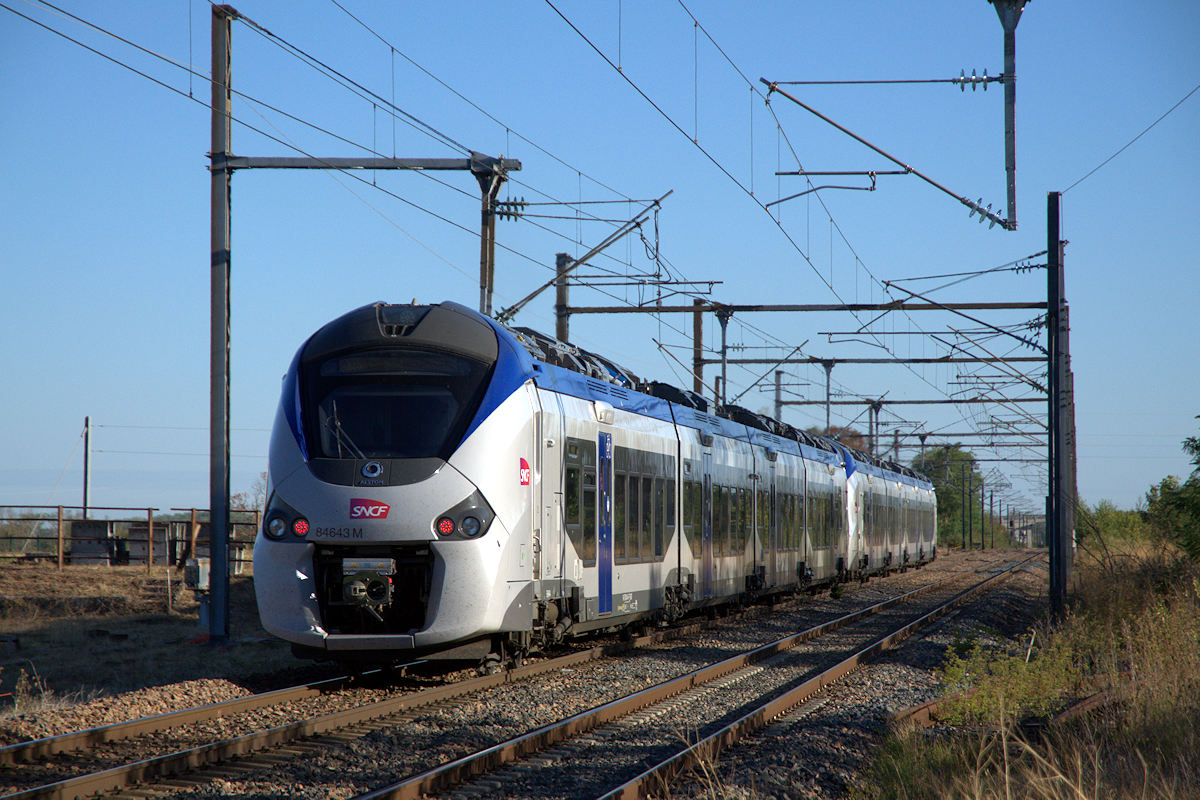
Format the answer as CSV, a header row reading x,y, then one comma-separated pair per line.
x,y
525,472
368,509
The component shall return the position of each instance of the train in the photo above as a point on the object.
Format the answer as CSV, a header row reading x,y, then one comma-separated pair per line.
x,y
441,485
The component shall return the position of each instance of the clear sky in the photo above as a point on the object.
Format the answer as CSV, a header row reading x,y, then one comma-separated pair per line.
x,y
104,309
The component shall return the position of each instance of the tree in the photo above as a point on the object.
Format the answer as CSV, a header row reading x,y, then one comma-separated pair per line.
x,y
951,470
854,439
1173,512
1173,506
254,498
1191,446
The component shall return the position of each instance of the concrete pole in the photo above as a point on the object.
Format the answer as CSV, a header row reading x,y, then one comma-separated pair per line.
x,y
723,317
970,499
828,365
562,320
779,395
87,463
962,485
1009,12
218,475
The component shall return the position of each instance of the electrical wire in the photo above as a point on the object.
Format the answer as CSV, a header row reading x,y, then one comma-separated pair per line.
x,y
1134,139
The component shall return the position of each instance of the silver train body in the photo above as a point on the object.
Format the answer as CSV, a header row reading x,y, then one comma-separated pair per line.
x,y
440,484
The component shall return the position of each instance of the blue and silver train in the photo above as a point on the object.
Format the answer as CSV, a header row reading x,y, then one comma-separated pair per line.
x,y
442,485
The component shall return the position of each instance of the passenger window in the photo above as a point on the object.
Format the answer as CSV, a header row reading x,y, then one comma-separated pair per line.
x,y
619,517
571,511
589,515
647,517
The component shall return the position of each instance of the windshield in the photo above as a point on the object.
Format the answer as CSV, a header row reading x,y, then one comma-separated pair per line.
x,y
392,403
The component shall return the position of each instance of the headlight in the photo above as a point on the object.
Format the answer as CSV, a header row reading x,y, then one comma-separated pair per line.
x,y
276,527
300,527
468,519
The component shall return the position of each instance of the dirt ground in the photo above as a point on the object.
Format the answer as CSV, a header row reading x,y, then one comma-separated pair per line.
x,y
90,631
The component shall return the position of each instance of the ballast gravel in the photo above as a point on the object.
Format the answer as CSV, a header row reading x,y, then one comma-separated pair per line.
x,y
837,730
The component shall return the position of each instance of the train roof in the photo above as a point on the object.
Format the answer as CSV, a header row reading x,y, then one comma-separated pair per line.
x,y
582,373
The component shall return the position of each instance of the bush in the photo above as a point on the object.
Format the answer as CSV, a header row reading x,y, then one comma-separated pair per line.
x,y
1173,512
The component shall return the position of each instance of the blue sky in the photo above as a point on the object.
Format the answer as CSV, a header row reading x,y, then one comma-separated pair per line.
x,y
104,307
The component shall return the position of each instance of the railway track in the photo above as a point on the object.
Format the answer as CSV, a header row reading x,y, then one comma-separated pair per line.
x,y
114,758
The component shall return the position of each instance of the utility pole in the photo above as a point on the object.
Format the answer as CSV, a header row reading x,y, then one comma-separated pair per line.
x,y
489,187
723,316
992,516
962,516
218,410
1009,12
562,320
1060,412
698,346
87,463
490,173
828,365
970,500
779,395
982,512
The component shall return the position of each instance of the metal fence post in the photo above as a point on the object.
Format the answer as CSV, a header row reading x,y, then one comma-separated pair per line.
x,y
149,539
60,537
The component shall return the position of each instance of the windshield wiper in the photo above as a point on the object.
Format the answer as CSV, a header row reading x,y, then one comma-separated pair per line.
x,y
340,435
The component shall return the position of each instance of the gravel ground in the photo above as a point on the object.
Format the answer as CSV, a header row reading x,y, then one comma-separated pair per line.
x,y
331,768
818,750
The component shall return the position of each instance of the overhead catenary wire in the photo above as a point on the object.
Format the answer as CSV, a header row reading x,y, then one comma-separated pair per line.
x,y
1126,146
255,129
540,263
508,130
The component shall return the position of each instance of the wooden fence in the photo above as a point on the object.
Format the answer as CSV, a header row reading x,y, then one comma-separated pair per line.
x,y
62,535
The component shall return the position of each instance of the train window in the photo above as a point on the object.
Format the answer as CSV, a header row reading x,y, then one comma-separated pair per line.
x,y
723,540
745,519
693,515
364,404
589,515
619,516
647,526
785,522
633,545
801,522
660,517
670,506
793,527
571,509
821,510
764,519
579,498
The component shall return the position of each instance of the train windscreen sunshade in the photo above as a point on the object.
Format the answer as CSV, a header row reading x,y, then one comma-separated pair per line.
x,y
393,403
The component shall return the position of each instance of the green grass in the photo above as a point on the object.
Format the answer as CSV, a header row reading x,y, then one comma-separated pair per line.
x,y
1133,633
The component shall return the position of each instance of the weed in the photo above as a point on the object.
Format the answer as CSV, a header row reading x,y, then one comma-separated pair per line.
x,y
1133,634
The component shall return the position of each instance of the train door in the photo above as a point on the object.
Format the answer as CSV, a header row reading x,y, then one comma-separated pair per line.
x,y
604,553
706,570
550,550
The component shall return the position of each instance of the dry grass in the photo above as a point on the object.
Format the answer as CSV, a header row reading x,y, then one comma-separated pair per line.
x,y
85,632
1134,634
